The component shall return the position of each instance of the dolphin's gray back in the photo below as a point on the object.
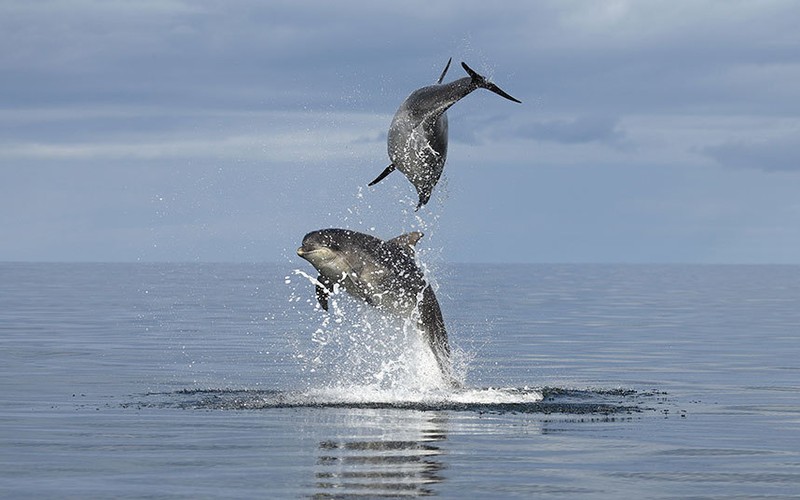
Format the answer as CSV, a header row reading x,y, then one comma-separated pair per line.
x,y
428,103
382,269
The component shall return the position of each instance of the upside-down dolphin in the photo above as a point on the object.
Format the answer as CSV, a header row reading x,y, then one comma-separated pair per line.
x,y
382,273
417,140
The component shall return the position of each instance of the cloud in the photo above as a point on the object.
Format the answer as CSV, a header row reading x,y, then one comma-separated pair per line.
x,y
152,134
577,130
286,109
522,125
775,155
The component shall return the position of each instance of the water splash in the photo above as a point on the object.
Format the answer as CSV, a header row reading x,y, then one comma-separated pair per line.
x,y
355,345
355,356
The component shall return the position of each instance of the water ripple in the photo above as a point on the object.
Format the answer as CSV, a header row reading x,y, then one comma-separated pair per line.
x,y
480,400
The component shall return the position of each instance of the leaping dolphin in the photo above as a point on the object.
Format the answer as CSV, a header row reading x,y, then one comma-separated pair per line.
x,y
382,273
417,141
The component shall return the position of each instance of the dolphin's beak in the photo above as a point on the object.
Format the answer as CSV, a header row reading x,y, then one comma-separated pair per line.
x,y
301,251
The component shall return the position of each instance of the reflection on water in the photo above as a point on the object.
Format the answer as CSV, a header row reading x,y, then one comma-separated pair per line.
x,y
402,459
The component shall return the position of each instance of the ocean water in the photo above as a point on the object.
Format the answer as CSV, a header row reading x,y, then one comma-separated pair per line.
x,y
225,381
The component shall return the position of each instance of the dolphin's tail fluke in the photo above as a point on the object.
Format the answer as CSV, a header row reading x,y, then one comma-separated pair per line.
x,y
482,82
388,170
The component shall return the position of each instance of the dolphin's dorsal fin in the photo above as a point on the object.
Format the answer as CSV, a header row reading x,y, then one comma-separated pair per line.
x,y
407,241
441,77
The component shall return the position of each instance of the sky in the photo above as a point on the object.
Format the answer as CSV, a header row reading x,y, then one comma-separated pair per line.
x,y
167,130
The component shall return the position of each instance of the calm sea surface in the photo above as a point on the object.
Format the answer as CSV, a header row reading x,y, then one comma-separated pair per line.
x,y
225,381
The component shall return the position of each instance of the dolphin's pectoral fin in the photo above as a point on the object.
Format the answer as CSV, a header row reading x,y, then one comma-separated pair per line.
x,y
322,297
388,170
408,241
323,292
435,333
444,72
481,81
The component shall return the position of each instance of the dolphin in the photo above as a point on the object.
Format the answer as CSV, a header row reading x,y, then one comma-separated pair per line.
x,y
417,140
383,274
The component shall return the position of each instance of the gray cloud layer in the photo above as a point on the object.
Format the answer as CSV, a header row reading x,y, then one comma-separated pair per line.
x,y
257,121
